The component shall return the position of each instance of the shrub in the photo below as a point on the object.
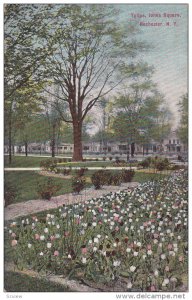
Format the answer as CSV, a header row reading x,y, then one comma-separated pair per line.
x,y
57,170
145,163
110,158
101,177
66,171
81,172
48,189
48,164
161,163
104,158
127,175
10,193
117,160
116,179
78,184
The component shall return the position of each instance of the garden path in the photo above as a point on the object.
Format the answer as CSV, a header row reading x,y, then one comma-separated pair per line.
x,y
33,206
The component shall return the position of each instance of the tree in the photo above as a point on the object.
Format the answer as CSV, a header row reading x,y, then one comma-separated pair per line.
x,y
34,129
88,50
23,58
183,126
140,114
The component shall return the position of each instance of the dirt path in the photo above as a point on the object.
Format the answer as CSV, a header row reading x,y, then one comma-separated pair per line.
x,y
33,206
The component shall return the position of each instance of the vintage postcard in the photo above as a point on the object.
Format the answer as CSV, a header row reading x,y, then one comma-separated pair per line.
x,y
96,148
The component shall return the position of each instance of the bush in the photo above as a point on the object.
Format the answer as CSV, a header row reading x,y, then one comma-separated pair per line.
x,y
104,158
177,167
127,175
101,177
48,189
116,179
145,163
110,158
10,193
78,184
161,164
81,172
57,170
48,165
66,171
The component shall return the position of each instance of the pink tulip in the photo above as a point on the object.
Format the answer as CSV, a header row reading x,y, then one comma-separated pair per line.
x,y
116,218
84,250
66,233
37,237
100,209
13,243
56,253
149,247
180,258
170,246
167,269
152,288
13,235
52,237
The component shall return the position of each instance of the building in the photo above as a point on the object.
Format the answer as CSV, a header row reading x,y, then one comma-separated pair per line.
x,y
170,145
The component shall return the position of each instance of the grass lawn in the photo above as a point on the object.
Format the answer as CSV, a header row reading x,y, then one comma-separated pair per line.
x,y
27,181
86,164
23,161
16,282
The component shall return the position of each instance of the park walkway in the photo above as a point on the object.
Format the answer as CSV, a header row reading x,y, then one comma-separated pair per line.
x,y
71,168
33,206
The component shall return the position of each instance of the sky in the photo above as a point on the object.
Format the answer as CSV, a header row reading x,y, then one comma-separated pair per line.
x,y
169,53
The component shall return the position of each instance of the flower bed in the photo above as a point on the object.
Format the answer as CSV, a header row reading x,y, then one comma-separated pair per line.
x,y
139,236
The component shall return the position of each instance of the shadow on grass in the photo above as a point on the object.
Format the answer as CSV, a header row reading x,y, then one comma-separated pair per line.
x,y
16,282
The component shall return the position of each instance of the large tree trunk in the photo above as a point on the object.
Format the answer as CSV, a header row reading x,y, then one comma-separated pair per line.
x,y
77,139
26,149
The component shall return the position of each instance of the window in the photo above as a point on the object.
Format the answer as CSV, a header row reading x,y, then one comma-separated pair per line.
x,y
173,141
169,141
122,147
65,148
86,148
177,141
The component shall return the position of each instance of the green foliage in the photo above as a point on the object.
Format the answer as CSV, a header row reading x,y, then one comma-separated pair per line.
x,y
49,164
183,126
81,172
100,178
156,162
127,175
66,171
48,189
116,179
11,192
78,184
145,163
